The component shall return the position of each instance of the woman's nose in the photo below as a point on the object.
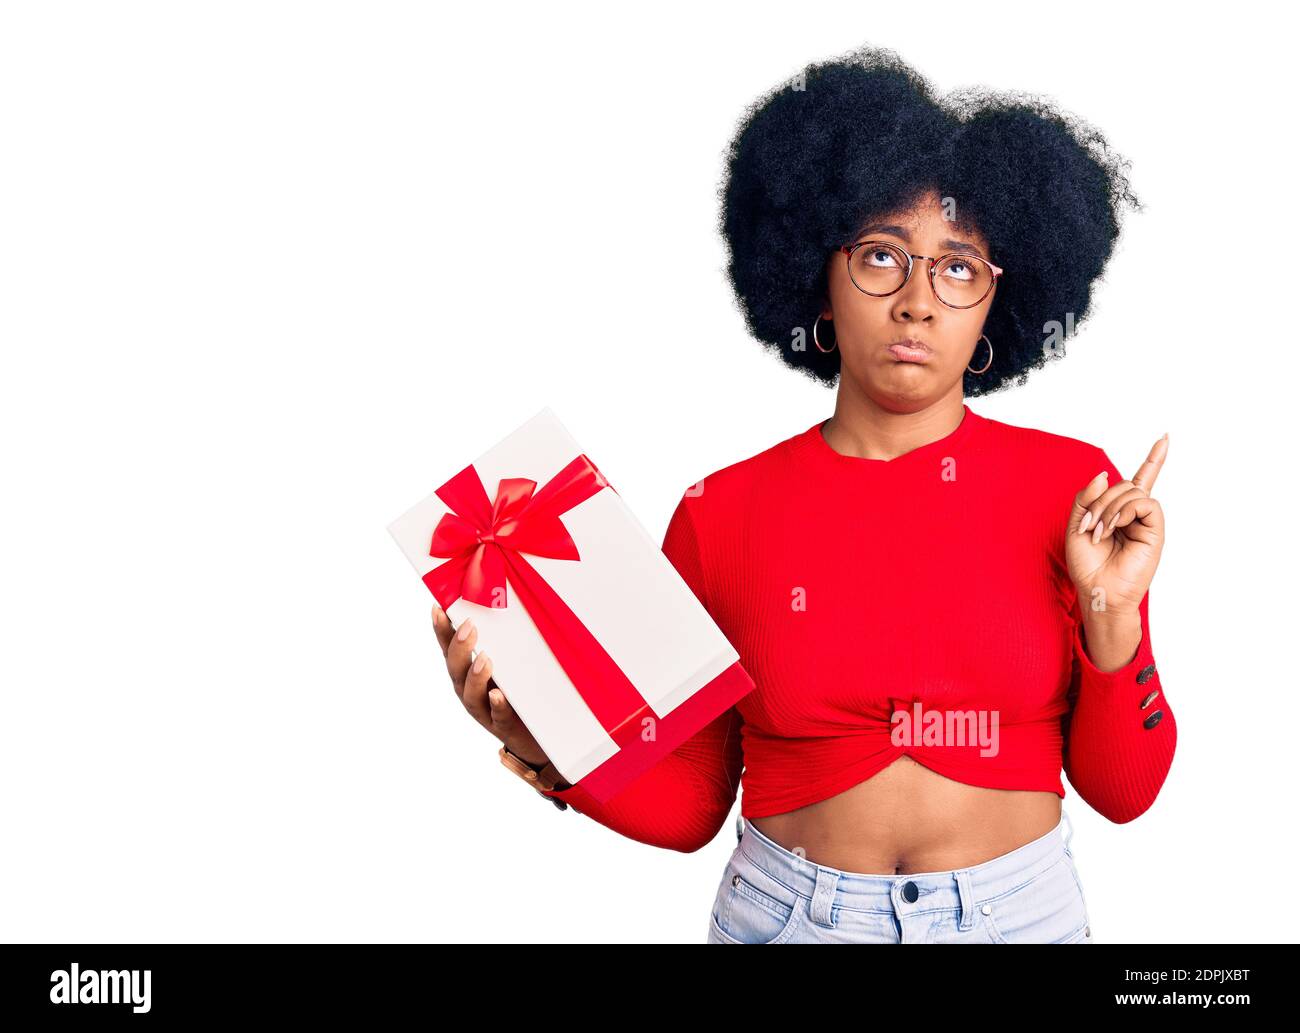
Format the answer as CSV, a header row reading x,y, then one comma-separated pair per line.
x,y
916,299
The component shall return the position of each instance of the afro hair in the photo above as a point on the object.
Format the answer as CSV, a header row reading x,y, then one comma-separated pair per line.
x,y
859,136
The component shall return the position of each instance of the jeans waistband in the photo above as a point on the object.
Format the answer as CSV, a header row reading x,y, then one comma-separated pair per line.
x,y
957,888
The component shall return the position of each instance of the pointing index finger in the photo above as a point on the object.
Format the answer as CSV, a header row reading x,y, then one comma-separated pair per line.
x,y
1145,478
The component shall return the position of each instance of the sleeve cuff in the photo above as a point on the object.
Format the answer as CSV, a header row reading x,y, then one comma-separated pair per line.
x,y
1138,678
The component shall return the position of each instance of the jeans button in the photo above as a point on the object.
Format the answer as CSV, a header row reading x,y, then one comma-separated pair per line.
x,y
910,892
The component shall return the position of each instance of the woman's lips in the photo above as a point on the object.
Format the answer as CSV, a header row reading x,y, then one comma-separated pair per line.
x,y
910,351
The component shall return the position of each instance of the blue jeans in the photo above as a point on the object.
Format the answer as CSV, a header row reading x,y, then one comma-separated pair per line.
x,y
769,894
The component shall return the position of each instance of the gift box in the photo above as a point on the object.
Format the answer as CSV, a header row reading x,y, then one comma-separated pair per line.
x,y
602,649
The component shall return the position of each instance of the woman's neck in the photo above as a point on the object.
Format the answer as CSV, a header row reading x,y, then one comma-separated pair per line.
x,y
865,430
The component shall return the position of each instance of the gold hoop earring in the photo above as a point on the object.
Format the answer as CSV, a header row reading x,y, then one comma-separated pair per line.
x,y
819,343
987,364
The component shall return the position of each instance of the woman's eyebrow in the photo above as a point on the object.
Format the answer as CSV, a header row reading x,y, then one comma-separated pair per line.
x,y
901,232
880,227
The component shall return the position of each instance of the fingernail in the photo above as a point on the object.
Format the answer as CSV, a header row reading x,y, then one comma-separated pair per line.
x,y
495,697
477,665
465,629
1085,522
1113,519
1096,535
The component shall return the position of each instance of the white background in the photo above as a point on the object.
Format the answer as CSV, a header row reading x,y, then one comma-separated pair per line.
x,y
271,272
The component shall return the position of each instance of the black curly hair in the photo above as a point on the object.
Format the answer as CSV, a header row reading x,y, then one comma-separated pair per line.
x,y
858,136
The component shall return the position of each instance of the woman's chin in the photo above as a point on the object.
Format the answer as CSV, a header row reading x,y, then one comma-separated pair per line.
x,y
910,380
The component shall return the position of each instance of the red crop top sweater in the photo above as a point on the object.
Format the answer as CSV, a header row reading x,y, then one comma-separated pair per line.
x,y
855,588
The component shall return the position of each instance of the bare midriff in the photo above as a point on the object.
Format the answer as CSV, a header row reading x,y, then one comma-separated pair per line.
x,y
908,819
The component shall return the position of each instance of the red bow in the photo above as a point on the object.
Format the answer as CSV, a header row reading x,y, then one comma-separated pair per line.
x,y
482,541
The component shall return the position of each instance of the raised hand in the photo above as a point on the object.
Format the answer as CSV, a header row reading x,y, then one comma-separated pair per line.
x,y
1115,535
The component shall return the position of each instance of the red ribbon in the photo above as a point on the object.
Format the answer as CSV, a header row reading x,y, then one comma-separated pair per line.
x,y
483,539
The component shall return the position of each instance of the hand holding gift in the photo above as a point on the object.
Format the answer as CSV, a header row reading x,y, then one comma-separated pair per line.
x,y
481,696
574,598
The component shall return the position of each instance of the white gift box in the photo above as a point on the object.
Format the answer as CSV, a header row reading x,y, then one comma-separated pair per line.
x,y
599,645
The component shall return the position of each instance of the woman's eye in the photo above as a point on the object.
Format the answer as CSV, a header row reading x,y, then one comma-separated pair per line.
x,y
958,270
882,258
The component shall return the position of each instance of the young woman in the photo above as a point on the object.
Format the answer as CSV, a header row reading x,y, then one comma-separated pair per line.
x,y
941,612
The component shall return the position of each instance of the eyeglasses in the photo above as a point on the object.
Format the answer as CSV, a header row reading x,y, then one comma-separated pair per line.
x,y
879,268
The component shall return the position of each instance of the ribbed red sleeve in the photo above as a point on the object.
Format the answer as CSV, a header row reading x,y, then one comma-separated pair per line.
x,y
1121,733
681,802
